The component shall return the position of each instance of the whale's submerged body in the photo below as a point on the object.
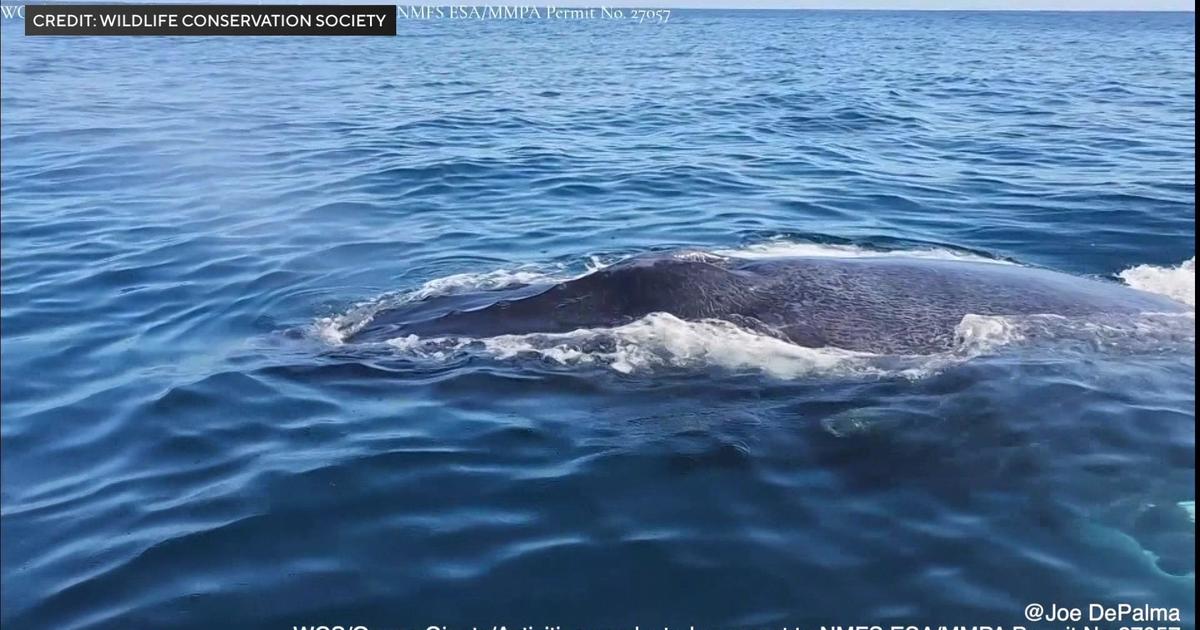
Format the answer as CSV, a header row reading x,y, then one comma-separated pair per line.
x,y
869,304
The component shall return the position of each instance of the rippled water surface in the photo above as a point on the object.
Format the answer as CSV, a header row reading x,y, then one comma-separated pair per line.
x,y
193,230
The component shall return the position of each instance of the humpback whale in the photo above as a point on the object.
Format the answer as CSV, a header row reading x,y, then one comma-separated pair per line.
x,y
881,305
888,305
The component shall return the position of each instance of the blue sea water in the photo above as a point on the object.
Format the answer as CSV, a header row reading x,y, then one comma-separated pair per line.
x,y
192,228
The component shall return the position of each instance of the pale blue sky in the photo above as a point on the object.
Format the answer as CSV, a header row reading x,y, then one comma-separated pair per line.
x,y
1016,5
1013,5
936,5
1058,5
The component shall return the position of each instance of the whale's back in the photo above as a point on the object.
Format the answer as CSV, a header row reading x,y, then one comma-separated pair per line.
x,y
895,305
880,305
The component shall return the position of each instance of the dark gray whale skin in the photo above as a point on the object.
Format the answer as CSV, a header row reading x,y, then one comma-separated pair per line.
x,y
887,305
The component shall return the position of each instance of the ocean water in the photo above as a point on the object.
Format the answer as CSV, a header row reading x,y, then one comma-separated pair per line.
x,y
193,229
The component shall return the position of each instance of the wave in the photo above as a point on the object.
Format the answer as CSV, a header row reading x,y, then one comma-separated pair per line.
x,y
784,247
1177,283
1146,332
663,341
658,340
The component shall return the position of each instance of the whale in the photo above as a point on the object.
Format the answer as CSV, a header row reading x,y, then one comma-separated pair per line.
x,y
875,304
886,304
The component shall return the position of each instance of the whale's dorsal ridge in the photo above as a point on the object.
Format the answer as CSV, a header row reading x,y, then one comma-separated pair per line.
x,y
871,304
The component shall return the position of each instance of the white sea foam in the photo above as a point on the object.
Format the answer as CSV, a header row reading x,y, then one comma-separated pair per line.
x,y
658,340
1178,283
695,255
983,334
781,248
980,334
661,340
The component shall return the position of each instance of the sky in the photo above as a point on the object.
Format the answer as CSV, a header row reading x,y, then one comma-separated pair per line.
x,y
928,5
1015,5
